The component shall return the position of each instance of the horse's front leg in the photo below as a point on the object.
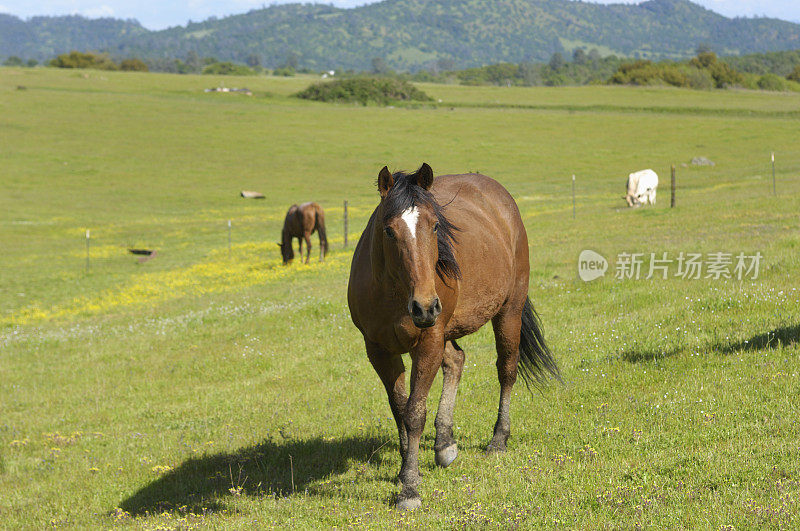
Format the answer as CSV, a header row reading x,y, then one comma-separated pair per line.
x,y
426,358
392,372
452,366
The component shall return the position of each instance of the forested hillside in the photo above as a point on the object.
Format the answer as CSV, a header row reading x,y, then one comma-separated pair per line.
x,y
414,34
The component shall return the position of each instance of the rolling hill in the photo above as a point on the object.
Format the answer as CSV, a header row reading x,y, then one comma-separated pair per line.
x,y
414,34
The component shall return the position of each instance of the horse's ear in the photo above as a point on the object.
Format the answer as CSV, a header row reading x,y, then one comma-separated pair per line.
x,y
425,176
385,181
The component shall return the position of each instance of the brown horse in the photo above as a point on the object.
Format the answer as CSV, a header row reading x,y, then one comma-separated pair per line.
x,y
301,222
421,279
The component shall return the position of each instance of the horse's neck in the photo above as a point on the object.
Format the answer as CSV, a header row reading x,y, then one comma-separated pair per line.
x,y
286,235
376,258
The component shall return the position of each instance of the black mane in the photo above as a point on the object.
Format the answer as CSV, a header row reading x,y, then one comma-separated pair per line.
x,y
404,194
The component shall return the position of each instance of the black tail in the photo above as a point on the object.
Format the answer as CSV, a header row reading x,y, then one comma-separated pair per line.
x,y
535,359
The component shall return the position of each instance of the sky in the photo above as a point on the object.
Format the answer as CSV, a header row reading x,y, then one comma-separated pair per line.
x,y
160,14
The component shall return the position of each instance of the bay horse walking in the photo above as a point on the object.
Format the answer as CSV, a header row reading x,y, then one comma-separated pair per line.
x,y
301,222
438,260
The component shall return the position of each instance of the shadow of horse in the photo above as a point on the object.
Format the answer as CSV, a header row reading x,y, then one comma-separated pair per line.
x,y
776,338
200,484
779,337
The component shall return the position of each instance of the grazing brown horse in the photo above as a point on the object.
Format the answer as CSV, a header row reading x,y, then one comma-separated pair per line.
x,y
301,222
437,260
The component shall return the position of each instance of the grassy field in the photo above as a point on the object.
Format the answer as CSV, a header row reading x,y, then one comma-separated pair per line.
x,y
212,387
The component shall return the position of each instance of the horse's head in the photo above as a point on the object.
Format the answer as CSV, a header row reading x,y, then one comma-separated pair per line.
x,y
417,240
287,252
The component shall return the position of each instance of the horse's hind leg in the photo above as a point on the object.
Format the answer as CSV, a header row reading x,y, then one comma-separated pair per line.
x,y
307,237
506,325
452,366
391,371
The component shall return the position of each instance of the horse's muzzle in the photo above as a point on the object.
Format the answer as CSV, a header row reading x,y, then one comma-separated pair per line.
x,y
424,316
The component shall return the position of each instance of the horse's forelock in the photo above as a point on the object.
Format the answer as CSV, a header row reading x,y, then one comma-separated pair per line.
x,y
406,194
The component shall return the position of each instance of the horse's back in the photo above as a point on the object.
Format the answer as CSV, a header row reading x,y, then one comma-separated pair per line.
x,y
491,247
481,207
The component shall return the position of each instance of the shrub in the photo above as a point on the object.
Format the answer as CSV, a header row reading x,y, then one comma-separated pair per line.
x,y
672,75
76,59
13,60
285,71
647,73
724,76
635,73
795,74
227,68
698,79
772,82
364,90
133,65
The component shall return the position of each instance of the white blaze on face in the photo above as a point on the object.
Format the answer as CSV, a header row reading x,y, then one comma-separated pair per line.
x,y
410,216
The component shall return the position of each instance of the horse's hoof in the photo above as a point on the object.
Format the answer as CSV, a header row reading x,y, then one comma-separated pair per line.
x,y
409,504
495,448
445,458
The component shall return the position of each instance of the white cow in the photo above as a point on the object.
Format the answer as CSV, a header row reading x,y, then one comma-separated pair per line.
x,y
641,188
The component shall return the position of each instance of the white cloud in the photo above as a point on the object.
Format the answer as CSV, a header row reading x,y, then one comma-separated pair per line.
x,y
98,12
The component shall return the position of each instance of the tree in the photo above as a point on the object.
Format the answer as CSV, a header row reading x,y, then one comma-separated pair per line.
x,y
379,66
557,62
702,48
530,74
193,63
292,60
704,60
445,64
13,61
32,62
723,74
594,55
579,57
253,60
795,74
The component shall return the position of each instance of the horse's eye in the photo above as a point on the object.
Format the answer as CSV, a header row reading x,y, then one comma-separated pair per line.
x,y
389,232
436,226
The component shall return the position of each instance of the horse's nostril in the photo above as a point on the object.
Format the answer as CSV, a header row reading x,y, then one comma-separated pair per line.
x,y
416,309
437,307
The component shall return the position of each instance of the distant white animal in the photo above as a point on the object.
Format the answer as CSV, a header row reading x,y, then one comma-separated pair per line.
x,y
641,188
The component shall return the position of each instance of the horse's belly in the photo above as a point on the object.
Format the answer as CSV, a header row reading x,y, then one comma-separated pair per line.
x,y
467,319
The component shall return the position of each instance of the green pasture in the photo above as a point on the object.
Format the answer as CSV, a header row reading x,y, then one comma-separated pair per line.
x,y
211,387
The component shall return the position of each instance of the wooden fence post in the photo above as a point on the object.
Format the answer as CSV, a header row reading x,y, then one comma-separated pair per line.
x,y
672,182
345,224
573,196
88,237
774,190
